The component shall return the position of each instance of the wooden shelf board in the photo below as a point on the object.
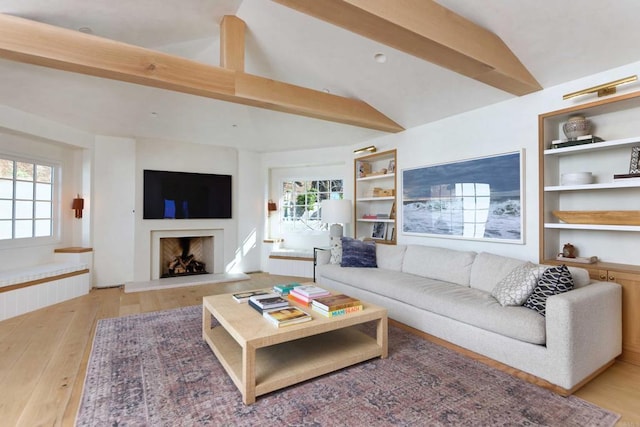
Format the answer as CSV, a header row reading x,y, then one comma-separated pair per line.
x,y
601,227
374,177
376,220
375,199
596,146
599,186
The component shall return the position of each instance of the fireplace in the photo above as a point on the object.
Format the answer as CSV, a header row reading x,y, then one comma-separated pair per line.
x,y
184,256
186,252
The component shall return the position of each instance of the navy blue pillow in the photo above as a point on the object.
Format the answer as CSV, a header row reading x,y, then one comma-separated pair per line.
x,y
356,253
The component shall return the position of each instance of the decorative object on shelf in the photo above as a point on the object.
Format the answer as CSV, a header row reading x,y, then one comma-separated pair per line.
x,y
383,192
568,251
378,231
603,89
599,217
576,178
78,205
392,166
633,165
271,206
369,149
364,169
466,199
392,214
576,126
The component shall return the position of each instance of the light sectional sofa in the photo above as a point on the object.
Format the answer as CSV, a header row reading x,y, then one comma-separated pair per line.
x,y
447,294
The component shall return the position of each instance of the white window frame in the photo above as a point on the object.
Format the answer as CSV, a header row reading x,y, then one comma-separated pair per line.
x,y
299,224
55,204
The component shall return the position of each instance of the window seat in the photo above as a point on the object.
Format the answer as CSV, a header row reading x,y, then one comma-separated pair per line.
x,y
291,262
30,288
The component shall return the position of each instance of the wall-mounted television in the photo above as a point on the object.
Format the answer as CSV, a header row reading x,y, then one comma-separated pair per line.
x,y
186,195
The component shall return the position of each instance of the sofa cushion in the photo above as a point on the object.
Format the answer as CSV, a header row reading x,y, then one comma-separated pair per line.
x,y
516,287
554,280
464,304
489,269
390,257
439,263
356,253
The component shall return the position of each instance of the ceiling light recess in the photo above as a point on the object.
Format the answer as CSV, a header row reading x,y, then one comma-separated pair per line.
x,y
603,89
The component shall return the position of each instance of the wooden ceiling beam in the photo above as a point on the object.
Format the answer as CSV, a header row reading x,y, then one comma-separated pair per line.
x,y
232,31
45,45
429,31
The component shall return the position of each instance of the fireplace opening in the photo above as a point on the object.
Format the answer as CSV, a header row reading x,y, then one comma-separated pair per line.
x,y
183,256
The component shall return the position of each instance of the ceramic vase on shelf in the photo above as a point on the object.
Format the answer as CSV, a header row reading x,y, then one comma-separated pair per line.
x,y
576,126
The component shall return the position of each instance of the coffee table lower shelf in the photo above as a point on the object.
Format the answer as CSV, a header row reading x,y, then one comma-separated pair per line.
x,y
291,362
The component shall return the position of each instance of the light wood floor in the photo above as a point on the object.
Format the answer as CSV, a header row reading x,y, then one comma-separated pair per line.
x,y
43,354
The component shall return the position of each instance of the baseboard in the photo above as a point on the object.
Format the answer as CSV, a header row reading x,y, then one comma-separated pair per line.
x,y
499,365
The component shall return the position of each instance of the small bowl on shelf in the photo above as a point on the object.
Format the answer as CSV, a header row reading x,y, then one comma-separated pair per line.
x,y
576,178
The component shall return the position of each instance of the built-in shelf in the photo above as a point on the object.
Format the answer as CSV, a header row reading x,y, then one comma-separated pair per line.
x,y
374,177
375,199
596,146
601,227
599,186
375,174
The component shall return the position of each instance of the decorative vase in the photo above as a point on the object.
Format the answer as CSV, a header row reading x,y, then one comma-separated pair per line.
x,y
576,126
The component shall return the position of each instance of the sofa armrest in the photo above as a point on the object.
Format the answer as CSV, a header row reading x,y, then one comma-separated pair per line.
x,y
584,327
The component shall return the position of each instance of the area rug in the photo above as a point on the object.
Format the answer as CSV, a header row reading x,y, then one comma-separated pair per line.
x,y
155,370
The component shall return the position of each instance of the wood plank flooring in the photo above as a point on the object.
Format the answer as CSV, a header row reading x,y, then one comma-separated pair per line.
x,y
44,354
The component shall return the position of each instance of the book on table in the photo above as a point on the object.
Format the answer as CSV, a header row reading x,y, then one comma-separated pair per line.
x,y
267,301
244,296
335,302
298,299
338,312
310,291
286,316
284,289
303,299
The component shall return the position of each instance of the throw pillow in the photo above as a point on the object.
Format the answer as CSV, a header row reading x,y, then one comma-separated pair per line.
x,y
335,243
517,286
554,280
356,253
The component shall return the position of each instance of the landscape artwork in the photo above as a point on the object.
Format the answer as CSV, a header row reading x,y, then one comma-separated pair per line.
x,y
471,199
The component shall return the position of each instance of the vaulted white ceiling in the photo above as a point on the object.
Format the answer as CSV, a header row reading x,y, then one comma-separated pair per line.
x,y
556,41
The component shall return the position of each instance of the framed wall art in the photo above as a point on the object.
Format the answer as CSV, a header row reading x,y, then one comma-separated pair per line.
x,y
479,198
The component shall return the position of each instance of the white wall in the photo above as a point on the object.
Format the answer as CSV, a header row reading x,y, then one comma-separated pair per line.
x,y
23,134
499,128
183,157
113,210
250,213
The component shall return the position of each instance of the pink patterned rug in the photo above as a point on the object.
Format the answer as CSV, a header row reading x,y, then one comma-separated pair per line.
x,y
155,370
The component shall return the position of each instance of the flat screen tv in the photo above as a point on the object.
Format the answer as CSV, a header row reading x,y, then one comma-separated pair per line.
x,y
185,195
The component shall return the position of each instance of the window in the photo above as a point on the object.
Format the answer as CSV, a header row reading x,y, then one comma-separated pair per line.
x,y
301,200
26,199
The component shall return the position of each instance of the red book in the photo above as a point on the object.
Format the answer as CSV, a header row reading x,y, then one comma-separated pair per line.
x,y
295,298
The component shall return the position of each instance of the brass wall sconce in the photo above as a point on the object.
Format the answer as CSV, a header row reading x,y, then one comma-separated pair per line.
x,y
603,89
77,205
370,149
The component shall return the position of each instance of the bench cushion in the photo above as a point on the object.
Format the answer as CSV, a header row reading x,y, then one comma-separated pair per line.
x,y
38,272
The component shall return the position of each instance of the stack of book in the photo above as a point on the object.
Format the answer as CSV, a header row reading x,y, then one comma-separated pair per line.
x,y
304,294
244,296
336,305
284,289
585,139
267,302
286,316
628,177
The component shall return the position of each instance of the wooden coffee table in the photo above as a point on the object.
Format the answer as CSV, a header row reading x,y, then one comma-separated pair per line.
x,y
261,358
